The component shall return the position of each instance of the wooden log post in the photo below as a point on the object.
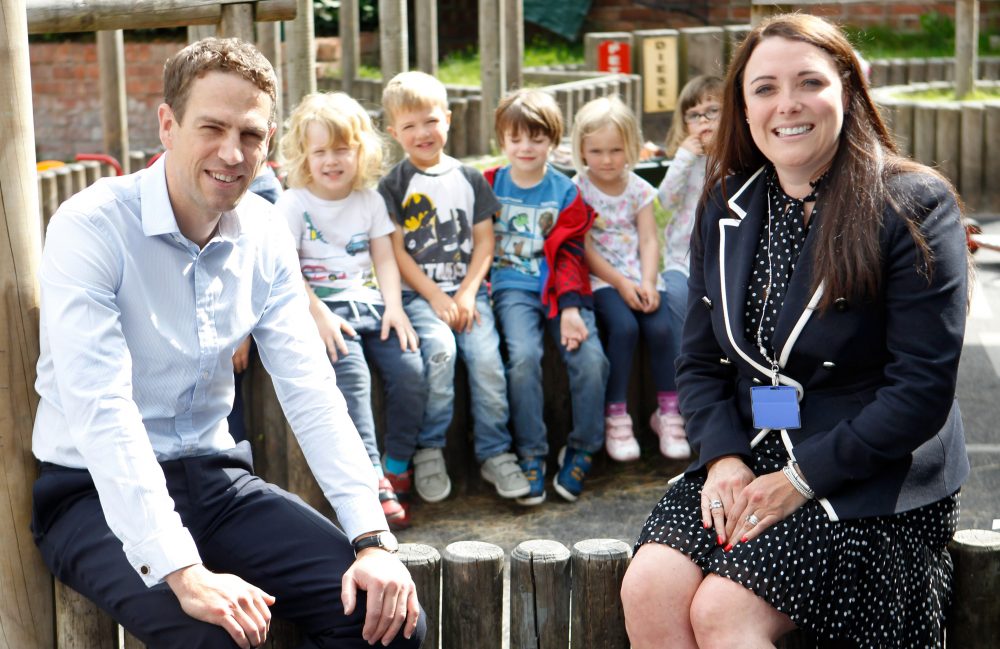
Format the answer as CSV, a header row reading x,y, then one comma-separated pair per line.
x,y
26,615
114,113
902,127
924,116
237,22
48,196
424,564
936,68
349,28
897,72
393,38
78,174
539,595
80,624
269,44
513,24
761,9
458,138
472,596
593,41
426,22
492,34
197,32
916,71
658,64
734,35
991,133
880,73
597,617
131,642
947,137
474,125
64,184
974,622
972,150
300,69
702,51
966,46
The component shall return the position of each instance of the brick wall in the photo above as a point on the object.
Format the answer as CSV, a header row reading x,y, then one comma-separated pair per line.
x,y
65,93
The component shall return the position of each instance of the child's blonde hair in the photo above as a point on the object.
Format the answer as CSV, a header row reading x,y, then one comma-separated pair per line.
x,y
693,93
347,123
598,113
412,90
531,112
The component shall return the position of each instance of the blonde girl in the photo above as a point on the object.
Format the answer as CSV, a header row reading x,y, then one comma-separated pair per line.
x,y
341,230
623,254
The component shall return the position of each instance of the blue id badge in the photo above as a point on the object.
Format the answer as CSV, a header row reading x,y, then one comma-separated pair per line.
x,y
775,407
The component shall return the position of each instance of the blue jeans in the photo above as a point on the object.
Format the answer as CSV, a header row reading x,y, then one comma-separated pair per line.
x,y
621,326
676,303
402,379
480,350
523,323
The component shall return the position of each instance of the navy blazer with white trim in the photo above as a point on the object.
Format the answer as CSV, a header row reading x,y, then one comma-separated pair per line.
x,y
881,430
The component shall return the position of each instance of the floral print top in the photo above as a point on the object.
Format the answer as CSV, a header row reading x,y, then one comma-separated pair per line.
x,y
614,232
679,194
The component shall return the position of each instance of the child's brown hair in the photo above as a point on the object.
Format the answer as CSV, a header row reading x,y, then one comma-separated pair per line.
x,y
528,111
695,91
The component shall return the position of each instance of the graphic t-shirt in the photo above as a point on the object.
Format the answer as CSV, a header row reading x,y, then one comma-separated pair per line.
x,y
615,233
333,239
527,217
436,210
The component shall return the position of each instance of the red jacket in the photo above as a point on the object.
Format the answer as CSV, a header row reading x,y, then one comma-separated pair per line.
x,y
568,280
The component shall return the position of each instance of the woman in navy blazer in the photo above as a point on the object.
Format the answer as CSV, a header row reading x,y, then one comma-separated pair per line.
x,y
830,274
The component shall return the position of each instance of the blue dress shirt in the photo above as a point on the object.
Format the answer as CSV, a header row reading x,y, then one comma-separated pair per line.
x,y
138,329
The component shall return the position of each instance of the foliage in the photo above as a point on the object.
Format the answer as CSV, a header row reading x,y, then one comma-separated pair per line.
x,y
462,68
327,13
936,37
981,93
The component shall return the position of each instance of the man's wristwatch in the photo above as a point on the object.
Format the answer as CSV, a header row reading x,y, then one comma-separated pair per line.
x,y
383,540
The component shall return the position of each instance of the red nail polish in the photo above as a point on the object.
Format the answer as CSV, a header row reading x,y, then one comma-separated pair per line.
x,y
744,539
706,525
719,540
728,548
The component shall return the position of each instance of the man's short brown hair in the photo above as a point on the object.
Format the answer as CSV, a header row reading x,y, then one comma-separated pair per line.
x,y
211,55
533,112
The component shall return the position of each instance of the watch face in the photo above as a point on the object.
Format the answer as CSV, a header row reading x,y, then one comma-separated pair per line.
x,y
389,541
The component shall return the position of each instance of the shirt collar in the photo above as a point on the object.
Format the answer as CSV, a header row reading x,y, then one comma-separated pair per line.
x,y
157,214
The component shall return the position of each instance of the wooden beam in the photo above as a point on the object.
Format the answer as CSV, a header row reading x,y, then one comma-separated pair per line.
x,y
393,39
513,60
269,44
53,16
114,113
966,46
237,21
301,43
492,35
26,608
349,25
427,36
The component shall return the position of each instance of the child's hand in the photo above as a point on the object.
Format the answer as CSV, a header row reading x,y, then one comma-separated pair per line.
x,y
445,308
241,357
332,329
467,312
395,318
650,297
631,293
694,144
572,329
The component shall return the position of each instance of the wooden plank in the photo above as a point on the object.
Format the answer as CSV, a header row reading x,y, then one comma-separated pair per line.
x,y
114,112
54,16
300,42
472,605
426,23
26,613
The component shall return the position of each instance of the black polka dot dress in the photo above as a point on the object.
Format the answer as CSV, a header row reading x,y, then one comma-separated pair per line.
x,y
881,582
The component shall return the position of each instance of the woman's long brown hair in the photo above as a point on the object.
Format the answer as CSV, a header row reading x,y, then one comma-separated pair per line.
x,y
846,254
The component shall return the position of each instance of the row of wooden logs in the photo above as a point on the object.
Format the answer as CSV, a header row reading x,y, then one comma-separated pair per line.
x,y
563,598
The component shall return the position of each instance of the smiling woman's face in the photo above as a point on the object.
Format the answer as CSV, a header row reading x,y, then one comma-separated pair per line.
x,y
795,106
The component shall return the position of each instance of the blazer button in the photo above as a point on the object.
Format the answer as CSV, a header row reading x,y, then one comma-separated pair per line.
x,y
829,365
707,302
841,304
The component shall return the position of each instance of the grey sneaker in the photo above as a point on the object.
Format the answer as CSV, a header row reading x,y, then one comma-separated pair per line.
x,y
504,473
430,475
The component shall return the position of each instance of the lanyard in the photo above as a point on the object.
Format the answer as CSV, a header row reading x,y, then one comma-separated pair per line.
x,y
775,368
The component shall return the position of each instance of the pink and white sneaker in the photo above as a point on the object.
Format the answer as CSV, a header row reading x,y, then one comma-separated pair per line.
x,y
669,427
619,439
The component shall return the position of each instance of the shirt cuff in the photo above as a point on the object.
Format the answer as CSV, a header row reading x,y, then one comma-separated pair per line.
x,y
162,554
573,298
360,515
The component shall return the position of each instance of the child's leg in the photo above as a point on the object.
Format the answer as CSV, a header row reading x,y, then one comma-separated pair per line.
x,y
588,375
666,421
480,349
621,331
521,319
655,328
676,303
355,383
437,347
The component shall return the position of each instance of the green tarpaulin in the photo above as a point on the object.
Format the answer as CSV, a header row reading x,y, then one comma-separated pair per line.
x,y
564,17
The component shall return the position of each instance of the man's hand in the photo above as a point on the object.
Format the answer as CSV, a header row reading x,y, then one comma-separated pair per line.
x,y
572,328
224,600
394,319
241,357
392,596
467,312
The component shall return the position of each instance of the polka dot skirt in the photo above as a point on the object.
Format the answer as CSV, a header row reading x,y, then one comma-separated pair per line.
x,y
881,582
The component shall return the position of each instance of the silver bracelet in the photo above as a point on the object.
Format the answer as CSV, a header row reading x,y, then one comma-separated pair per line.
x,y
798,481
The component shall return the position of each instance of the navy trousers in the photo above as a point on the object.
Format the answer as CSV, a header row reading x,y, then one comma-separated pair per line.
x,y
241,525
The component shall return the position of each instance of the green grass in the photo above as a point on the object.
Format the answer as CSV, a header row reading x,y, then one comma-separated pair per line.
x,y
462,68
948,94
935,38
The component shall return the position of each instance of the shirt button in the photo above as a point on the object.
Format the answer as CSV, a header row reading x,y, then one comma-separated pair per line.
x,y
144,570
840,304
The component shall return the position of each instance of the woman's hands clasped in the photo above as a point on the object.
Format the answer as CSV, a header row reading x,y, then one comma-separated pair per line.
x,y
740,506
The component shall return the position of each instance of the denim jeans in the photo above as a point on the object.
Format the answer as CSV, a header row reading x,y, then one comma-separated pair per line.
x,y
621,326
402,379
676,302
522,320
480,350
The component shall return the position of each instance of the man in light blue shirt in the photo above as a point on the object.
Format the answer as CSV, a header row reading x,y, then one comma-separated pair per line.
x,y
144,505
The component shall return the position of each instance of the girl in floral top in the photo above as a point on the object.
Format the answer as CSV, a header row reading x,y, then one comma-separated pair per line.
x,y
623,253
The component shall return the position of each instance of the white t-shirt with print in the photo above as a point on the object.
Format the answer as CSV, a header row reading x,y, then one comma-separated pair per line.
x,y
615,233
333,240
